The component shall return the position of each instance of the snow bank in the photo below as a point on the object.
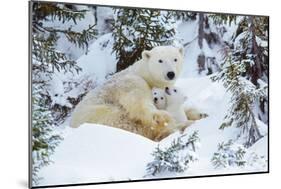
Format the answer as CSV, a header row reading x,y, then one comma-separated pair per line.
x,y
97,153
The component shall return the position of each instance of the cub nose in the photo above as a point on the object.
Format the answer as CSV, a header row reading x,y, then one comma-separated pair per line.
x,y
171,75
155,99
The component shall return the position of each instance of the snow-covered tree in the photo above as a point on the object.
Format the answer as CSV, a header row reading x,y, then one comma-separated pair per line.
x,y
250,46
244,96
46,60
135,30
232,154
44,140
184,15
229,154
245,74
176,158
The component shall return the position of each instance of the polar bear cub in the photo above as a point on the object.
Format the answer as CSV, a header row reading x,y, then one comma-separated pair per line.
x,y
172,100
175,104
159,98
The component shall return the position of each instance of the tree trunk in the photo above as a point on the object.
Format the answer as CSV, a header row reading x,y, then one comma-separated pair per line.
x,y
201,30
95,15
256,70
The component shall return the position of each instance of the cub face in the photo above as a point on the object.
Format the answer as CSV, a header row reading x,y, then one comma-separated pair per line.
x,y
174,96
159,98
164,64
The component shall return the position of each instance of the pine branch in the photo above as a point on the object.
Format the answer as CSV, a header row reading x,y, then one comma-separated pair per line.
x,y
175,158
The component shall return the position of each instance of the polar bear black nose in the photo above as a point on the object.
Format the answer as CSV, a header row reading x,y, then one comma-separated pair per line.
x,y
155,99
171,75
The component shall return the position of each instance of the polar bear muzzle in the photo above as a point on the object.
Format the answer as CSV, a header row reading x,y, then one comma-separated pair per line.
x,y
171,75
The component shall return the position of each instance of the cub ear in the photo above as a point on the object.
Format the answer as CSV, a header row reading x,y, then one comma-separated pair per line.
x,y
146,54
181,51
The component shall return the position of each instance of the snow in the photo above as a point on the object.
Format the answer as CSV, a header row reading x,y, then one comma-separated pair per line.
x,y
96,153
187,33
96,65
100,61
63,44
104,15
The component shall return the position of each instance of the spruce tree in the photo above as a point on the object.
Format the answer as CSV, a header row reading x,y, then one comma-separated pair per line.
x,y
46,59
252,49
232,154
244,95
250,46
245,74
228,155
44,140
175,158
135,30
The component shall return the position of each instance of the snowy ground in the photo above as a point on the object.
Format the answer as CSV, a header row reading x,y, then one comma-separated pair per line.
x,y
95,153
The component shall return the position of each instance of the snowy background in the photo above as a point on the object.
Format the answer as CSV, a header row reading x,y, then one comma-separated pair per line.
x,y
96,153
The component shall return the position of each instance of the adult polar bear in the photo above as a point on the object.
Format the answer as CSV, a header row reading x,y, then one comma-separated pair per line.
x,y
125,100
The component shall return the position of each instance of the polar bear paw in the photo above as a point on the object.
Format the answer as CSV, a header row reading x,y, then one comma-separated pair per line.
x,y
161,118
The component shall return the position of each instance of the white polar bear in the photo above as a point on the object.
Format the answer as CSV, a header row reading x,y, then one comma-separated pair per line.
x,y
125,101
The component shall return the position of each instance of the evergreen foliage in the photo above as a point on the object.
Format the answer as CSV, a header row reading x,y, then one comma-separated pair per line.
x,y
244,94
223,18
44,54
245,74
46,59
249,43
44,140
176,158
229,154
135,30
184,15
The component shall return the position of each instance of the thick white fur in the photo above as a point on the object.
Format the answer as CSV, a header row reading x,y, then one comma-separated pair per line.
x,y
175,104
125,100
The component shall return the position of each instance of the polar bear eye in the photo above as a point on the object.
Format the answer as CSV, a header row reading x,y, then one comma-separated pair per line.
x,y
175,60
175,90
162,98
155,93
160,61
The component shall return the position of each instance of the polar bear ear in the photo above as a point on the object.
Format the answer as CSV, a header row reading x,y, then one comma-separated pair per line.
x,y
146,54
181,51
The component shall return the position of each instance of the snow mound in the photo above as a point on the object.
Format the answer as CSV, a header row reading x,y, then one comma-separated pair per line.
x,y
97,153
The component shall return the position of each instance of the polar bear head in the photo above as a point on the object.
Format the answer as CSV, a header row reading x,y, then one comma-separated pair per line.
x,y
174,97
159,98
164,65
